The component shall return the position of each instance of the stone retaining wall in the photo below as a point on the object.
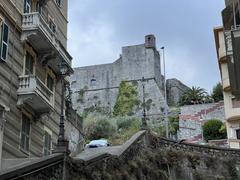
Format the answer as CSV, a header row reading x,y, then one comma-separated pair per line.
x,y
192,117
195,148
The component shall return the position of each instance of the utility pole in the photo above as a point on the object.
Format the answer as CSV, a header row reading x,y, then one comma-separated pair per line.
x,y
165,96
144,120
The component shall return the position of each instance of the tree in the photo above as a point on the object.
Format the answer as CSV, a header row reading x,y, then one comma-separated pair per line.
x,y
217,93
214,129
194,95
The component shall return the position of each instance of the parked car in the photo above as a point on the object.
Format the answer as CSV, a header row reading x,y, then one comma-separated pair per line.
x,y
97,143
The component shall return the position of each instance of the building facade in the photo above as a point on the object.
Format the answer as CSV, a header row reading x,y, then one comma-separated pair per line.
x,y
33,45
227,46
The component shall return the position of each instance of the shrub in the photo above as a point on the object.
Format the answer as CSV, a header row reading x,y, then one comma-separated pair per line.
x,y
159,129
126,122
127,126
173,124
97,126
212,130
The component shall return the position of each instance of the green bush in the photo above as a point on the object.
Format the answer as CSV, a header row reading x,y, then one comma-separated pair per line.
x,y
160,130
126,122
213,129
173,124
127,126
97,126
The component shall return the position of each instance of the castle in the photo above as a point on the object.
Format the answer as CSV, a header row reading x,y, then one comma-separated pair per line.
x,y
98,85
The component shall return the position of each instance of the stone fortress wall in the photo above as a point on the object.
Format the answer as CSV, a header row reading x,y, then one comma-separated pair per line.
x,y
98,85
175,90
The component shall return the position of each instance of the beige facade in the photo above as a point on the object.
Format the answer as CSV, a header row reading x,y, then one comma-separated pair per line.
x,y
33,45
231,104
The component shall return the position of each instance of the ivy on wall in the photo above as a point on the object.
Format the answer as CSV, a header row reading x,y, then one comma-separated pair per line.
x,y
81,94
127,99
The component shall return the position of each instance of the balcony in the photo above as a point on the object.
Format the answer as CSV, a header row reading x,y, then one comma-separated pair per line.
x,y
226,84
33,93
43,39
232,108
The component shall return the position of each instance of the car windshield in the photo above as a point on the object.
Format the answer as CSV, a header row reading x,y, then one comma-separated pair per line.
x,y
100,142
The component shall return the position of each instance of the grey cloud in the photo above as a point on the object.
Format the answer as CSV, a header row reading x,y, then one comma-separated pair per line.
x,y
98,30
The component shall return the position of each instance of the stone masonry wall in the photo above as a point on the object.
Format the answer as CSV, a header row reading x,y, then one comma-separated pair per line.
x,y
144,157
175,90
192,118
97,86
150,157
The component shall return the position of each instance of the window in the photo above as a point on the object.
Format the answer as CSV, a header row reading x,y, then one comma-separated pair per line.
x,y
39,7
59,3
29,64
93,82
25,132
238,133
52,25
47,149
4,41
50,82
27,6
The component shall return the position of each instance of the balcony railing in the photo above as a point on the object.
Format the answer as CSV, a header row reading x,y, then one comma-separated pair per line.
x,y
38,32
33,21
30,87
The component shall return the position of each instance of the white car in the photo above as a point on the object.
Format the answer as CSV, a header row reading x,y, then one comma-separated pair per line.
x,y
98,143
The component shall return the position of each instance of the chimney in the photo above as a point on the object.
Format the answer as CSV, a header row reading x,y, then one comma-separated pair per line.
x,y
150,41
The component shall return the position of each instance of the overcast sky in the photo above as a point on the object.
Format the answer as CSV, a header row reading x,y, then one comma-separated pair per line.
x,y
99,28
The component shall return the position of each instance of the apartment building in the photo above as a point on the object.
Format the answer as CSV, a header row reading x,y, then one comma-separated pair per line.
x,y
227,39
32,50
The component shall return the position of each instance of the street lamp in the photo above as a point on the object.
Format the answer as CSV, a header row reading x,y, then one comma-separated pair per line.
x,y
62,144
165,95
144,120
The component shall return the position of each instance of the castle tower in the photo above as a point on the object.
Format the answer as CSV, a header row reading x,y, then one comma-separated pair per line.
x,y
150,41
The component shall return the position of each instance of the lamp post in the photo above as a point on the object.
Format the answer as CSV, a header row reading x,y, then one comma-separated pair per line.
x,y
144,120
62,143
165,95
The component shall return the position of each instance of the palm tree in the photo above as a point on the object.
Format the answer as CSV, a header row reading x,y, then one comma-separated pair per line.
x,y
194,95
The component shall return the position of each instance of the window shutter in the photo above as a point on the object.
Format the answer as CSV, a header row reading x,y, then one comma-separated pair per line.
x,y
59,3
27,6
4,42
